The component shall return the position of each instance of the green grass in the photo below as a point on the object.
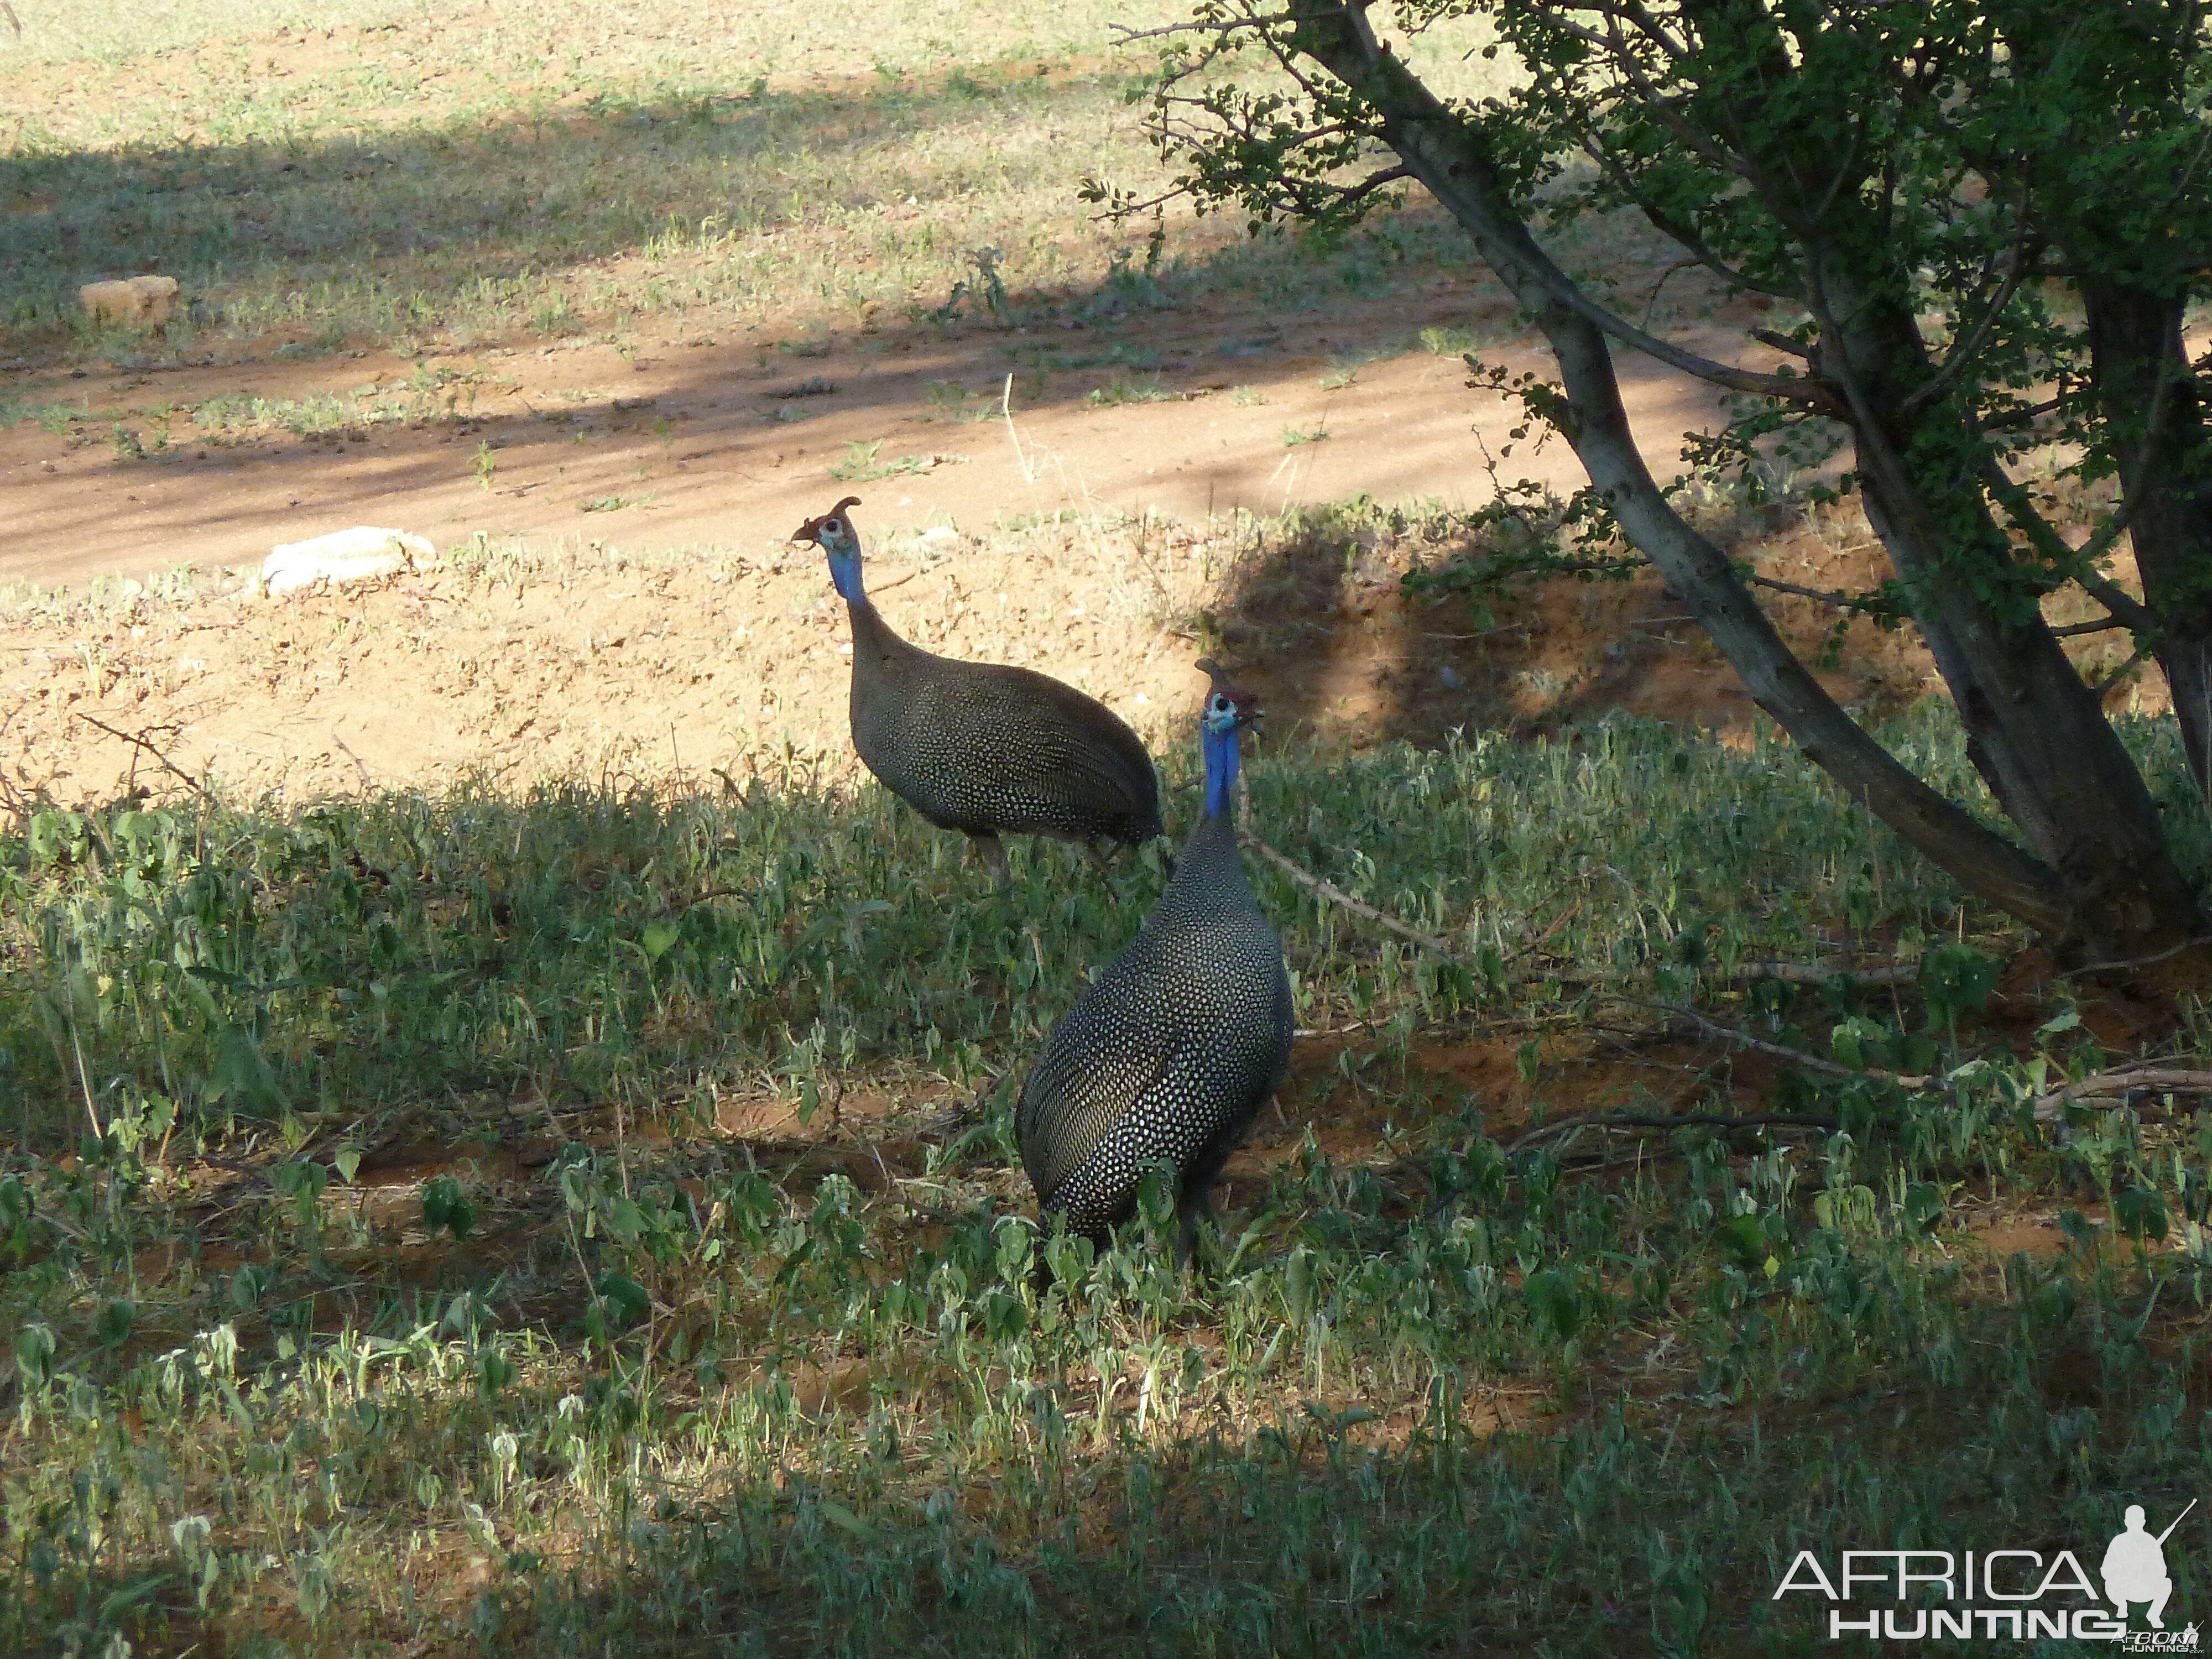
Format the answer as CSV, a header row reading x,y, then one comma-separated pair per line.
x,y
513,172
1126,389
862,463
687,1393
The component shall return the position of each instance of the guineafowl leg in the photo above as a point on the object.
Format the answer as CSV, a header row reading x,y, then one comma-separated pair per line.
x,y
995,856
1192,1207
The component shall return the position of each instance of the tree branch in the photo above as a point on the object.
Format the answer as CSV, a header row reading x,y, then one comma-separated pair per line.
x,y
2169,1079
1907,1080
1857,604
1961,354
2072,630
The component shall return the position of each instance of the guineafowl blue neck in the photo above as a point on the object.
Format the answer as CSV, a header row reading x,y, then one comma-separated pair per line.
x,y
845,576
1220,751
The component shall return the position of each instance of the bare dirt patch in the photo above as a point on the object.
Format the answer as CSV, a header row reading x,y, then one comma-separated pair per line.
x,y
665,445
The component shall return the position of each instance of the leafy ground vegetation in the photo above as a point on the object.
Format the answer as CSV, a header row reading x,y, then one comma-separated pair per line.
x,y
585,1219
715,1328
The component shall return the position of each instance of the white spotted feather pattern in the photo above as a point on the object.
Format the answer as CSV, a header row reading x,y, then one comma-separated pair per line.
x,y
990,749
1169,1053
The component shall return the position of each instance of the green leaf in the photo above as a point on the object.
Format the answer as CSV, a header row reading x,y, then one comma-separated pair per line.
x,y
2065,1020
1954,978
2140,1212
658,936
795,1261
495,1373
625,1296
1924,1205
34,1352
1552,1302
840,1517
242,1076
445,1204
625,1221
116,1316
1744,1238
119,1603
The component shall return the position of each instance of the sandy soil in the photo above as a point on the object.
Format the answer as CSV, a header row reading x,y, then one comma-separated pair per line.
x,y
530,663
732,446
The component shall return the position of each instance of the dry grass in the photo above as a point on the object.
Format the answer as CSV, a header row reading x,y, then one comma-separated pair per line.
x,y
395,175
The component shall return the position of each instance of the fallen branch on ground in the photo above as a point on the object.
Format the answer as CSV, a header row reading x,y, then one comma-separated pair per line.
x,y
2170,1079
2136,962
1811,1062
1683,1121
1790,973
1816,973
1337,896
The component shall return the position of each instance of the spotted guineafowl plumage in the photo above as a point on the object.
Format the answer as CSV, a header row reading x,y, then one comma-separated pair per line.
x,y
1181,1039
984,748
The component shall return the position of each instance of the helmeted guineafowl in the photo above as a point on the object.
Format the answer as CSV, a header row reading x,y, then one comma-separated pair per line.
x,y
1174,1047
983,747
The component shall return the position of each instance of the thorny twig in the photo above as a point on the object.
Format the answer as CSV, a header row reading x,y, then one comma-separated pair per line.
x,y
140,742
1790,972
2047,1105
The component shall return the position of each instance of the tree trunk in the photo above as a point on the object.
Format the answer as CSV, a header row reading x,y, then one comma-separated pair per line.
x,y
2135,341
2104,884
2036,731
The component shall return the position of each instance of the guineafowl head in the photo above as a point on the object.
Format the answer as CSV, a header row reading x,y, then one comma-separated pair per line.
x,y
834,534
1227,712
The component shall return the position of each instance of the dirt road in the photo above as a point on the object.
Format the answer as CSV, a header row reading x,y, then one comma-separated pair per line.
x,y
676,445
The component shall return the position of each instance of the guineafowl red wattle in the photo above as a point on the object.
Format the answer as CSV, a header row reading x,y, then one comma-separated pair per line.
x,y
983,748
1174,1047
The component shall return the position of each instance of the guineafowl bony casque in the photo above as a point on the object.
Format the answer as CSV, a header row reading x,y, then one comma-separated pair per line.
x,y
984,748
1173,1048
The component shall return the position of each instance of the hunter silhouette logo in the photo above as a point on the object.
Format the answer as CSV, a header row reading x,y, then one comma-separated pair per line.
x,y
2005,1594
2134,1567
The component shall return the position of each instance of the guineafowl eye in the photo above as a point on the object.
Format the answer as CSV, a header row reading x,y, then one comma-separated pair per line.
x,y
1221,712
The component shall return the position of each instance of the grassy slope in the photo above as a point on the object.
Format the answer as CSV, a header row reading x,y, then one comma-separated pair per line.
x,y
1447,1393
416,179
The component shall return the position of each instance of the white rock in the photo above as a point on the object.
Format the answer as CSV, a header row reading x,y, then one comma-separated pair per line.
x,y
344,555
939,535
